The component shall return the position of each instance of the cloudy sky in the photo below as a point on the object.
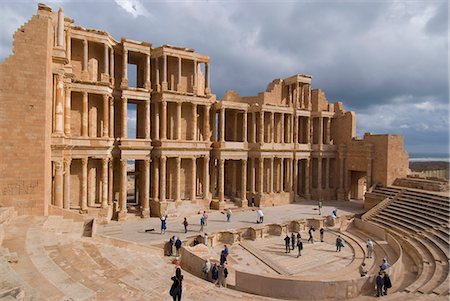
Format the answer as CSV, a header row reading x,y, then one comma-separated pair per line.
x,y
386,60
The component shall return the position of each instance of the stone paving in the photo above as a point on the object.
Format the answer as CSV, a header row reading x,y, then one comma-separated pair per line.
x,y
134,230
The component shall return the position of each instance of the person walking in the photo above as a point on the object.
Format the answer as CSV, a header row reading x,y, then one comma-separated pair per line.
x,y
163,224
205,216
185,224
322,231
202,224
223,274
206,268
298,236
311,234
385,265
178,244
299,247
287,240
177,286
339,243
170,247
320,207
362,269
215,273
379,283
225,251
259,216
228,215
205,239
223,258
369,246
293,241
387,283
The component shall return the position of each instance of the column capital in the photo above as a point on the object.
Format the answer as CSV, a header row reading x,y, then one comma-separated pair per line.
x,y
67,161
85,41
105,161
58,164
84,161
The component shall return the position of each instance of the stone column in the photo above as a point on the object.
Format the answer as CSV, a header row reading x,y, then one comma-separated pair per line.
x,y
194,122
84,115
254,125
163,120
66,188
164,82
111,182
156,121
92,175
178,122
59,106
221,180
111,117
232,169
309,130
195,87
60,33
58,189
105,115
106,57
124,83
147,119
327,173
177,179
179,75
222,125
67,108
123,189
147,84
124,117
261,127
260,175
282,129
104,182
244,126
244,183
307,179
296,121
290,174
85,56
319,176
84,175
111,65
272,126
158,84
162,179
145,203
281,182
271,174
252,175
295,178
193,179
155,180
206,124
68,45
291,130
206,178
320,131
328,137
207,79
341,154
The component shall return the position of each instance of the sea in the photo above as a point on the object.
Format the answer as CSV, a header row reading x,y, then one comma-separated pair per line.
x,y
429,157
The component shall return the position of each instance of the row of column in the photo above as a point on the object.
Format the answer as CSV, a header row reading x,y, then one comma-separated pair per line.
x,y
299,94
124,118
62,111
124,83
222,120
320,175
320,132
161,121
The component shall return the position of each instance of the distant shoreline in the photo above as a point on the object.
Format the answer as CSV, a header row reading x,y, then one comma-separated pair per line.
x,y
418,165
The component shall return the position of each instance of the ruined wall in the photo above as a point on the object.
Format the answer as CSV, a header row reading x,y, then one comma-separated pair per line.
x,y
25,119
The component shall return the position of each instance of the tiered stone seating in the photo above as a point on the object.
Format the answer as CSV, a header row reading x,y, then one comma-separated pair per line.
x,y
422,220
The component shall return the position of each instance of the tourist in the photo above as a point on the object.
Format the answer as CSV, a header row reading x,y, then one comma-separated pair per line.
x,y
223,274
385,265
215,273
322,231
202,223
387,283
320,207
299,247
334,213
170,247
228,215
369,245
287,240
196,242
311,234
177,286
339,243
163,224
380,283
223,258
362,269
293,241
178,244
298,236
253,202
225,251
205,239
185,224
259,216
206,268
205,216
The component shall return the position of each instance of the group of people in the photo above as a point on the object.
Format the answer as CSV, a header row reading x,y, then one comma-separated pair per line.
x,y
293,241
174,242
219,272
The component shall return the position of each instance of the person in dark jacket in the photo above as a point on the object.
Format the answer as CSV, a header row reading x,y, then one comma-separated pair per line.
x,y
322,231
287,240
387,283
177,285
178,244
223,258
299,247
215,273
293,241
380,283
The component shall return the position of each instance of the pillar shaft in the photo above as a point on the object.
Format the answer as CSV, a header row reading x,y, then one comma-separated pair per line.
x,y
111,117
105,115
207,79
125,65
67,109
195,77
155,179
84,115
177,179
104,182
282,174
308,130
110,182
194,122
111,63
206,124
162,179
85,55
222,125
282,140
194,178
206,178
272,127
147,119
244,127
163,120
178,122
307,178
84,175
164,70
252,175
327,173
296,122
254,126
319,175
244,181
58,189
179,74
60,33
156,121
271,174
124,117
320,131
68,45
147,84
123,186
261,127
221,180
145,203
328,137
158,83
260,175
295,177
66,192
59,105
106,59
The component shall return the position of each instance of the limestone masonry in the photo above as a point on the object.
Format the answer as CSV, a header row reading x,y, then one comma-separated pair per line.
x,y
65,95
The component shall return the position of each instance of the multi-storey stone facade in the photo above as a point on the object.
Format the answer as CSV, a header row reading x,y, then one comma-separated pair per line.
x,y
65,95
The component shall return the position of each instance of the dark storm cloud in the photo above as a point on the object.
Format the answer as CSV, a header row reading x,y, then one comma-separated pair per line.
x,y
374,56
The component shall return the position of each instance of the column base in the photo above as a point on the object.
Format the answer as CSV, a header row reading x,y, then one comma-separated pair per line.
x,y
307,196
217,205
243,203
179,87
111,80
145,213
84,75
122,216
83,211
195,90
164,86
124,83
105,215
104,77
157,208
208,91
147,86
158,88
